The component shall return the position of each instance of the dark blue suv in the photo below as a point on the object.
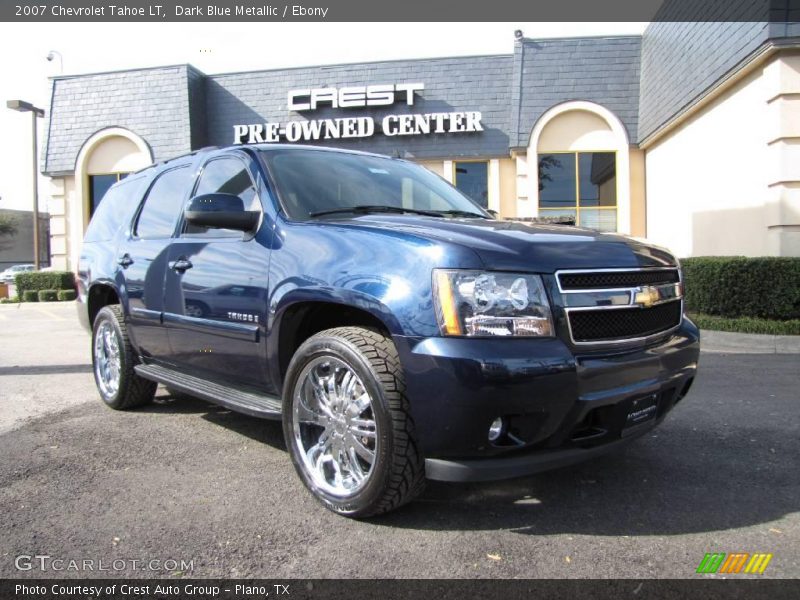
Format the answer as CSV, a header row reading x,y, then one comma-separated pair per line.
x,y
398,329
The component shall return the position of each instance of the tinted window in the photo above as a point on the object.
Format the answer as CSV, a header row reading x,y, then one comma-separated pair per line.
x,y
311,181
163,204
472,178
557,184
582,186
598,178
98,187
117,207
225,176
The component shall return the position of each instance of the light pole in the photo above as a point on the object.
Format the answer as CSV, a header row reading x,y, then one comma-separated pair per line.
x,y
22,106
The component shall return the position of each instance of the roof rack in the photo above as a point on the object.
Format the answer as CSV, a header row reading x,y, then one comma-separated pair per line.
x,y
168,160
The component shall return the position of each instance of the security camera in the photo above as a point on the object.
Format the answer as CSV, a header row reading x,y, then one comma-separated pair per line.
x,y
50,56
518,34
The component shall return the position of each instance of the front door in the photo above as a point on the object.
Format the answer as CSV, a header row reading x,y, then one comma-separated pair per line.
x,y
216,289
143,260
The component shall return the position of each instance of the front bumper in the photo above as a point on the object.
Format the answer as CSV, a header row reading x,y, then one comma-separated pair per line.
x,y
562,405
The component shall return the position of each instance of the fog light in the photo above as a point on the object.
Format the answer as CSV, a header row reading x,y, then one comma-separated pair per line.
x,y
496,429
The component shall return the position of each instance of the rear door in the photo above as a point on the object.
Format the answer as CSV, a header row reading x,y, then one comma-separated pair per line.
x,y
216,285
143,259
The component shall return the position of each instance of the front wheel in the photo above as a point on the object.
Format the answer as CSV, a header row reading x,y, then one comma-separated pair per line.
x,y
347,423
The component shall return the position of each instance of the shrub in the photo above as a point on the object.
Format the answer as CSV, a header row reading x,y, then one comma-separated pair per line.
x,y
30,296
736,286
48,295
746,324
11,300
66,295
44,280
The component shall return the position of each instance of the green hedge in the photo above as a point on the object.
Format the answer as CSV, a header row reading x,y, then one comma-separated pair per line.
x,y
43,280
48,295
29,296
736,286
66,295
746,324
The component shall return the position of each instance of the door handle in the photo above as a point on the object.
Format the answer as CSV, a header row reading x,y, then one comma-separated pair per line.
x,y
182,264
125,261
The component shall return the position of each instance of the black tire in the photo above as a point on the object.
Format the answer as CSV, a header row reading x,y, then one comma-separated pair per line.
x,y
398,472
132,390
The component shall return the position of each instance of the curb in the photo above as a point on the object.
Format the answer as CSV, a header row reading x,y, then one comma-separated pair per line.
x,y
748,343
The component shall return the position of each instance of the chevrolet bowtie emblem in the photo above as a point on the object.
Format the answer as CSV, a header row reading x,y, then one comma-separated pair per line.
x,y
646,296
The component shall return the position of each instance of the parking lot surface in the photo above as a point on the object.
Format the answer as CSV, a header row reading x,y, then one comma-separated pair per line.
x,y
186,481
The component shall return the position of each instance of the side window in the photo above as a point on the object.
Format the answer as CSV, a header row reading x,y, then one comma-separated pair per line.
x,y
163,204
225,176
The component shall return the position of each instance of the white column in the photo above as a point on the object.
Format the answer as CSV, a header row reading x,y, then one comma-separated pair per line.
x,y
782,202
527,205
494,185
59,222
447,172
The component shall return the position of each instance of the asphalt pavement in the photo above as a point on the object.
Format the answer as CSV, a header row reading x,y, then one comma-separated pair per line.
x,y
188,482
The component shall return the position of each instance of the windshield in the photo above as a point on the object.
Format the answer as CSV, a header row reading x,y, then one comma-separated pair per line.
x,y
317,182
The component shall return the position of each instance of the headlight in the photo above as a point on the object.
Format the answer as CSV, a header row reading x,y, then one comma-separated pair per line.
x,y
480,303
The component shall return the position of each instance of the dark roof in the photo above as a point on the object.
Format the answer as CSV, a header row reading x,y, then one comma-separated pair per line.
x,y
682,61
479,83
178,108
603,70
153,103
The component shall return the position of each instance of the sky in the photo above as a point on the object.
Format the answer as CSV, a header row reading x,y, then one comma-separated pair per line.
x,y
219,48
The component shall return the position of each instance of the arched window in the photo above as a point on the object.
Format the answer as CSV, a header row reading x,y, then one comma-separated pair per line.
x,y
110,151
582,167
109,161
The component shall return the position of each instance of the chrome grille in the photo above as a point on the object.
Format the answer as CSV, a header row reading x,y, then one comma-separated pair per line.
x,y
616,279
615,306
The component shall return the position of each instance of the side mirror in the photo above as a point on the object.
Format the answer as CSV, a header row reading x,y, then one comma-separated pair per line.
x,y
220,211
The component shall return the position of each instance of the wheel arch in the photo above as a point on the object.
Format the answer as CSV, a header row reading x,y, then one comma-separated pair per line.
x,y
101,293
301,316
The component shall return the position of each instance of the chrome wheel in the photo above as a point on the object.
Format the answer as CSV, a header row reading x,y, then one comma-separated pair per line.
x,y
193,310
334,426
107,360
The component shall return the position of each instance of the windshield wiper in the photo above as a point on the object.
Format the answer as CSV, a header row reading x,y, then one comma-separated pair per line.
x,y
374,208
461,213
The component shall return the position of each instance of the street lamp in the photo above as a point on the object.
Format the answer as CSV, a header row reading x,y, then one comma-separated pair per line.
x,y
22,106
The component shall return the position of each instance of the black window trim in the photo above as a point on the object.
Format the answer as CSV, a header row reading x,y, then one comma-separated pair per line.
x,y
241,157
134,235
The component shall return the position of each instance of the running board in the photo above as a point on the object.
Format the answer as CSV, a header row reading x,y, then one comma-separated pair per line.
x,y
249,403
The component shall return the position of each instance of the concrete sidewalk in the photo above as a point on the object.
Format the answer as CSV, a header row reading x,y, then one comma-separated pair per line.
x,y
748,343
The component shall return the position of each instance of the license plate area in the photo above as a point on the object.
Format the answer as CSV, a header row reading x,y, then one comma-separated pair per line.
x,y
641,412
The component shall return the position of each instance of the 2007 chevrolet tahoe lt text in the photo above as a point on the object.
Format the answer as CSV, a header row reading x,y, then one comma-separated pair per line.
x,y
398,330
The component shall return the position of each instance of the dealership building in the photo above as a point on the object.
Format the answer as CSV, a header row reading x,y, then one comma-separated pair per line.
x,y
688,135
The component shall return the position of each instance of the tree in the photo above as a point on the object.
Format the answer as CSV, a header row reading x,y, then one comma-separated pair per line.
x,y
8,225
548,161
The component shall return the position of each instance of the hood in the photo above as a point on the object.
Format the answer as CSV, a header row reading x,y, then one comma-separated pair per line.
x,y
508,245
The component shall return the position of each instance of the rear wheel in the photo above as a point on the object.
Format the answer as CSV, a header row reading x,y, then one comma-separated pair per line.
x,y
113,359
347,424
